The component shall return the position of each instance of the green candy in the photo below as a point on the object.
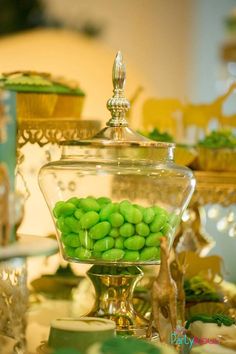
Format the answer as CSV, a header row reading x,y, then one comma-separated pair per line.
x,y
141,208
116,219
134,243
142,229
127,230
119,243
78,213
131,256
89,219
82,253
158,222
153,239
123,206
114,233
149,254
57,208
104,244
96,255
89,204
73,224
107,210
148,215
103,200
69,251
73,200
158,210
71,240
113,254
63,209
100,230
167,229
133,215
85,240
60,224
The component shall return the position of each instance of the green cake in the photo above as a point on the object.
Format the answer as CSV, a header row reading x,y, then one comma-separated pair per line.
x,y
79,333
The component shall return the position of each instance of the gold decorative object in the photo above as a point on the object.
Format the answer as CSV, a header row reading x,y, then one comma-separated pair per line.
x,y
114,294
178,270
53,131
13,302
163,294
175,117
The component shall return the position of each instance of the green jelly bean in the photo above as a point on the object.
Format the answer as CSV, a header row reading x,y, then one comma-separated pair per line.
x,y
149,254
158,210
60,224
69,251
113,254
100,230
167,229
104,244
127,230
107,210
103,200
148,215
119,243
142,229
131,256
153,239
73,224
71,240
114,233
96,255
139,207
73,200
133,215
63,209
78,213
116,219
123,206
89,219
57,208
134,243
89,204
85,240
158,222
82,253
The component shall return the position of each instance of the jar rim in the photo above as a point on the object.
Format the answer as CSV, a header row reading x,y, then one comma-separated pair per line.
x,y
118,143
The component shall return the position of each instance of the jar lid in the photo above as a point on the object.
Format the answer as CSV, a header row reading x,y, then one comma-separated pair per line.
x,y
117,132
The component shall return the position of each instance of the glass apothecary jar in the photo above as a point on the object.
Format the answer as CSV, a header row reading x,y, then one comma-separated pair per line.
x,y
113,197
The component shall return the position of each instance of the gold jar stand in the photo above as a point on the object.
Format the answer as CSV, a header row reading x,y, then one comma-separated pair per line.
x,y
114,297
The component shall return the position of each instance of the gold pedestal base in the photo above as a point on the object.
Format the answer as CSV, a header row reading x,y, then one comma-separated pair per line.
x,y
114,288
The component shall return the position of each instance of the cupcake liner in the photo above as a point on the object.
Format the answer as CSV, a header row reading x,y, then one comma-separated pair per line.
x,y
35,105
209,308
221,159
68,106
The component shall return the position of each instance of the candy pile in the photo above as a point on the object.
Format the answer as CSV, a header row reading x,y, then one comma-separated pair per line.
x,y
102,230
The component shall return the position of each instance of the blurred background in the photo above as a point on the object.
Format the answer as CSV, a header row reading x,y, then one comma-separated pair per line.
x,y
184,49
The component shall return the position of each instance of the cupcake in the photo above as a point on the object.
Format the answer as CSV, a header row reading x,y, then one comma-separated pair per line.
x,y
41,95
77,334
119,345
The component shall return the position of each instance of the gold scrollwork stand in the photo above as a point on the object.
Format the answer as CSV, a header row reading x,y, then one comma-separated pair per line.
x,y
211,188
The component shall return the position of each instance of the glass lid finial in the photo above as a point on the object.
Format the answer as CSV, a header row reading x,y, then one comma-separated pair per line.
x,y
118,105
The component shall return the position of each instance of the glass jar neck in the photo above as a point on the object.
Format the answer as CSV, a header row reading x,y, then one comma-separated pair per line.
x,y
114,152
